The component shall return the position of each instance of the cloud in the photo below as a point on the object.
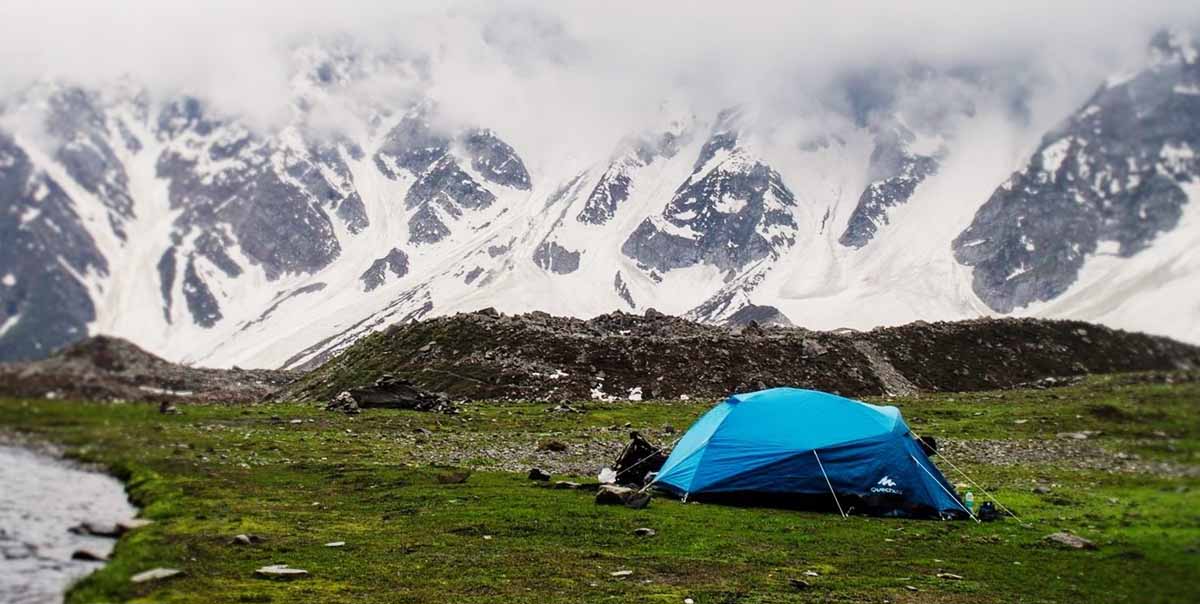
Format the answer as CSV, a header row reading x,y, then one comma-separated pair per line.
x,y
549,73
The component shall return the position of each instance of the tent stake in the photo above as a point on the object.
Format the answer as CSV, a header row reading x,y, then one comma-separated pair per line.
x,y
977,485
939,484
831,491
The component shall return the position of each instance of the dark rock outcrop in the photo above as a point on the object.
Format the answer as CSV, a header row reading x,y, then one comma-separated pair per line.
x,y
537,356
103,368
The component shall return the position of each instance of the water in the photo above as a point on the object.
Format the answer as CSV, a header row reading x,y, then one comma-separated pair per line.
x,y
41,497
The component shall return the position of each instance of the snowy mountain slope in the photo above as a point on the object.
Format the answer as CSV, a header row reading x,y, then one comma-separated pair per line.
x,y
212,241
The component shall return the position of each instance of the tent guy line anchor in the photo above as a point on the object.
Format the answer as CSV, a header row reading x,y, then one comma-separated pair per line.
x,y
939,483
977,485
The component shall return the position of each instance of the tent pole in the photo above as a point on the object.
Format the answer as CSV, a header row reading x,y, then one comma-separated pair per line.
x,y
977,485
830,484
939,484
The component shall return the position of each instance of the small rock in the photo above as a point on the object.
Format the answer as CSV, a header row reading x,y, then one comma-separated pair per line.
x,y
167,408
155,574
611,494
1070,541
911,588
621,573
799,583
553,446
539,475
645,532
1041,490
87,555
133,524
241,540
567,485
811,573
949,576
96,529
281,571
336,544
1084,435
688,601
296,421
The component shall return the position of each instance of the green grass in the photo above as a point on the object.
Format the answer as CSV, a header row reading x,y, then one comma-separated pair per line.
x,y
216,471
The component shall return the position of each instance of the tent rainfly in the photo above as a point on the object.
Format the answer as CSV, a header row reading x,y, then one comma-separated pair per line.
x,y
787,443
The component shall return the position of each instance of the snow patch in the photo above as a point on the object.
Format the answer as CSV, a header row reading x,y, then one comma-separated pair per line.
x,y
1053,155
9,280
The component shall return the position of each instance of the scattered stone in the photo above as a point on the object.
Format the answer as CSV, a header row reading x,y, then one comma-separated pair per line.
x,y
567,485
539,475
811,573
637,501
155,574
799,584
911,588
88,555
96,529
554,446
1084,435
344,402
296,421
281,572
336,544
167,408
241,540
621,573
1041,490
453,477
1070,541
645,532
949,576
133,524
611,494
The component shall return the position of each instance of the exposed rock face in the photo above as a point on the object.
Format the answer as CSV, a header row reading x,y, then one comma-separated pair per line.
x,y
443,190
104,368
623,290
556,258
395,263
664,357
731,211
894,173
1106,181
495,160
268,195
43,304
612,189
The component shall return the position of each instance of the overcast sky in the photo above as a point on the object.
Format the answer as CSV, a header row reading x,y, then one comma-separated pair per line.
x,y
519,62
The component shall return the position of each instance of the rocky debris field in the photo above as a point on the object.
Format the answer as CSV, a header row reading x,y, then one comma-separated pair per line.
x,y
488,355
107,369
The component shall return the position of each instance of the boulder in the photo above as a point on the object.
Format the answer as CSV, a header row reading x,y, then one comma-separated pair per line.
x,y
539,475
88,555
1069,541
391,392
344,402
155,574
281,572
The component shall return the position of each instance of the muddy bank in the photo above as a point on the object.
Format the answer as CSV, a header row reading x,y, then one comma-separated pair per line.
x,y
41,498
486,355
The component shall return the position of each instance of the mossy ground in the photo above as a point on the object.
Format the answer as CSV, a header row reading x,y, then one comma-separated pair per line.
x,y
413,535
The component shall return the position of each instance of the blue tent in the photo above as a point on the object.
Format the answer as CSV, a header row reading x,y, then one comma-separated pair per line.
x,y
797,443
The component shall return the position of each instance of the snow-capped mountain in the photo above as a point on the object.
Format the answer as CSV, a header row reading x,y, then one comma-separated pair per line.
x,y
210,240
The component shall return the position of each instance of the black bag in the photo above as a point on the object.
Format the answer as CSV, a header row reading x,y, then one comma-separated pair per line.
x,y
987,512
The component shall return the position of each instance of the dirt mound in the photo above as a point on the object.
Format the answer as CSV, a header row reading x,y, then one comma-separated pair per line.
x,y
486,355
106,368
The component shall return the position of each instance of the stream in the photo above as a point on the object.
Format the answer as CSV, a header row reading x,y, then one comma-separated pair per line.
x,y
41,498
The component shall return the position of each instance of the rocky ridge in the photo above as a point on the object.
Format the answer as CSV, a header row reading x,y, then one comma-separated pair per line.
x,y
487,355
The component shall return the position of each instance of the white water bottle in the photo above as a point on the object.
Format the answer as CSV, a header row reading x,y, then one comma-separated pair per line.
x,y
969,499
